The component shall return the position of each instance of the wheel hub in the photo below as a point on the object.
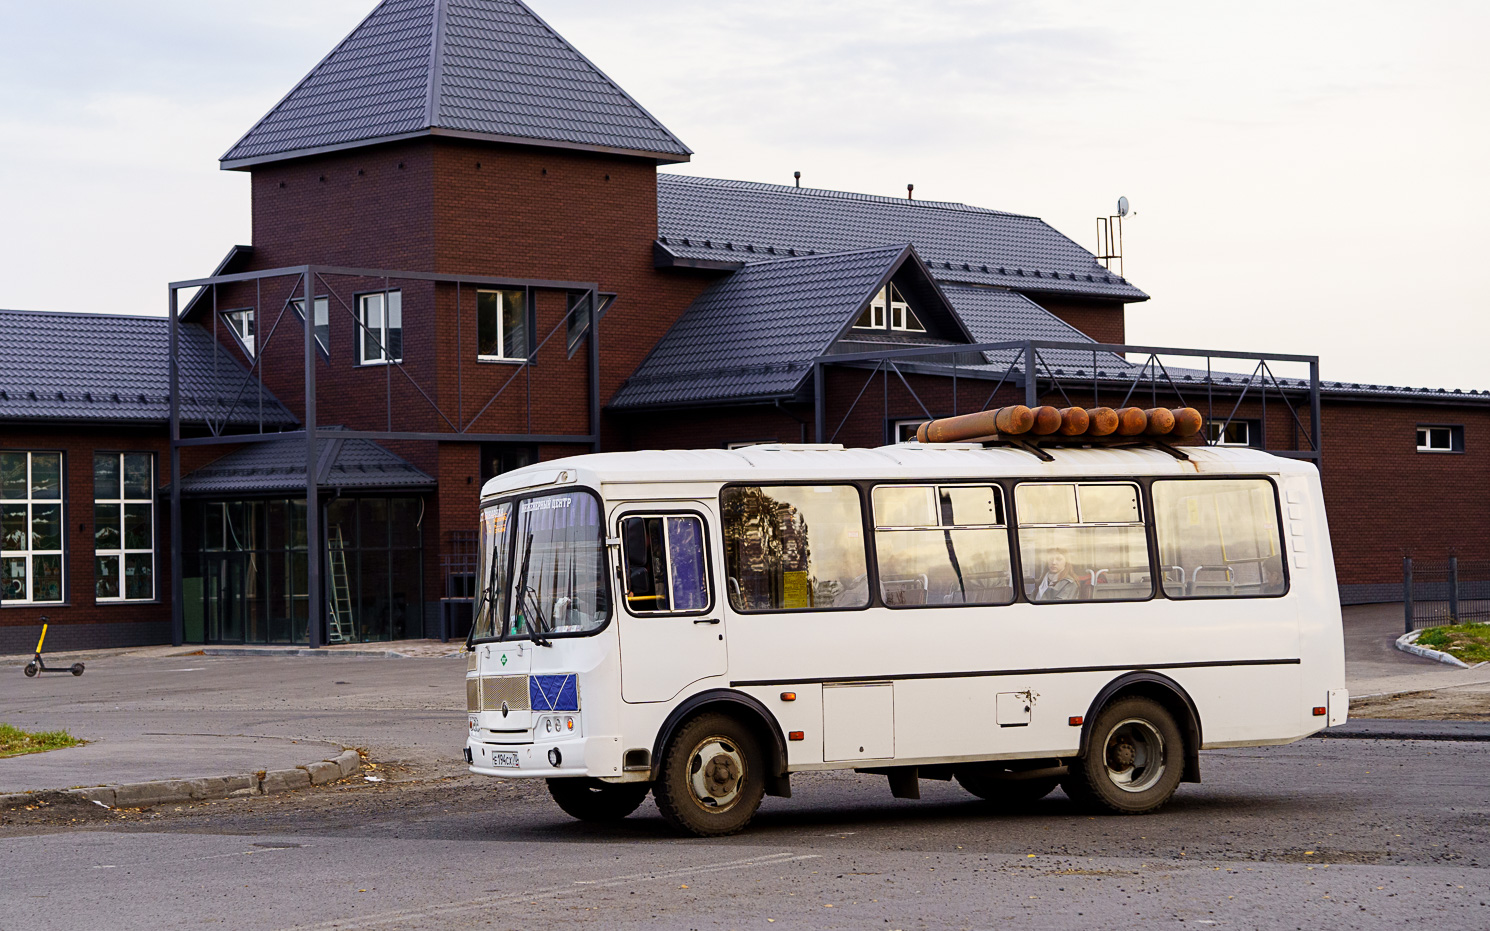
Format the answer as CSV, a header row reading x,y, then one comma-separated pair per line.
x,y
716,773
1134,755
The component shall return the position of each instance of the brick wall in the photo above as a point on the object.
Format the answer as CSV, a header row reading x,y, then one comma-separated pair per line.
x,y
1103,321
81,622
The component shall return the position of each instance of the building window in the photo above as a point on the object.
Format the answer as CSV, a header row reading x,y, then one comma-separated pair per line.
x,y
1440,439
905,430
1230,433
322,324
241,322
380,323
124,526
577,319
502,326
30,527
889,311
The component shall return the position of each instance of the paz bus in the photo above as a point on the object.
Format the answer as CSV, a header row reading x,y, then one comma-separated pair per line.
x,y
703,624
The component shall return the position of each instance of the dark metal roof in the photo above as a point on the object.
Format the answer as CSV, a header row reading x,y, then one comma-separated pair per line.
x,y
278,466
995,316
754,334
115,367
480,69
722,224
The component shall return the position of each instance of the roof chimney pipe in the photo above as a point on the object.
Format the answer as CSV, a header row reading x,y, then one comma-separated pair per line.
x,y
910,190
798,176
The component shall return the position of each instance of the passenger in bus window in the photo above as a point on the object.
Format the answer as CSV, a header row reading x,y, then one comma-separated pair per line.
x,y
1059,581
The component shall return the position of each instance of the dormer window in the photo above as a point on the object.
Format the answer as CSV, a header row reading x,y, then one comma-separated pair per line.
x,y
242,324
889,311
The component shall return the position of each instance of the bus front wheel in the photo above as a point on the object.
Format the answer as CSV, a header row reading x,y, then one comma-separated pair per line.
x,y
1133,761
593,800
713,777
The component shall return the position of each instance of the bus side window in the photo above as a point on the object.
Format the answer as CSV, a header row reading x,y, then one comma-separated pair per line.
x,y
665,565
1218,539
794,547
1082,542
941,545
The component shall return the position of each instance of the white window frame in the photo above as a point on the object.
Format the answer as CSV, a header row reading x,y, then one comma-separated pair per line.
x,y
236,320
1425,438
1219,438
122,552
746,444
28,553
387,309
901,318
322,319
900,425
504,352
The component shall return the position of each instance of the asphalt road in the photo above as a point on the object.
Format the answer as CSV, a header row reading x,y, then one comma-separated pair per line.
x,y
1319,834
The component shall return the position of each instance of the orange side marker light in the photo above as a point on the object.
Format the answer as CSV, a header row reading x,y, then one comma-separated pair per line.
x,y
796,735
788,696
1320,711
1075,720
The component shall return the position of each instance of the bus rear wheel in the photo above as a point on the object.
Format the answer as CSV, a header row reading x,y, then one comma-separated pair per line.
x,y
1133,761
712,777
593,800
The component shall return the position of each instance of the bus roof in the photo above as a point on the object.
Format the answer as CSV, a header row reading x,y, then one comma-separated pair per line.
x,y
783,462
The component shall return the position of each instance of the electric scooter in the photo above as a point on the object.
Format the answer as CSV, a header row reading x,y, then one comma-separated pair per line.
x,y
39,665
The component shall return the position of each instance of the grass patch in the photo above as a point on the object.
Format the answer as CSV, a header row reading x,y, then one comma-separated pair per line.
x,y
1468,642
14,741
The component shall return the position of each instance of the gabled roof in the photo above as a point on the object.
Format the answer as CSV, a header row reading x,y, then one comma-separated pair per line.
x,y
278,466
723,224
115,367
996,316
476,69
753,335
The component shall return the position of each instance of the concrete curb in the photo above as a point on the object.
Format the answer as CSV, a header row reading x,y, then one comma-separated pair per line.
x,y
1407,643
169,791
1391,729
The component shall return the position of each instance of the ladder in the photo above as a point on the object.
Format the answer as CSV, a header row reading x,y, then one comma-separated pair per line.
x,y
339,630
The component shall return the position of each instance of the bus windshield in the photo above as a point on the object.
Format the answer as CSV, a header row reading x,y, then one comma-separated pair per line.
x,y
543,560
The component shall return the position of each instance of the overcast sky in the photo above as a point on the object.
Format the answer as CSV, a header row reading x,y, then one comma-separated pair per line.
x,y
1305,177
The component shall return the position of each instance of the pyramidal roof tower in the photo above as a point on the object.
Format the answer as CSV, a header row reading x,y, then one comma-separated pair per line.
x,y
489,70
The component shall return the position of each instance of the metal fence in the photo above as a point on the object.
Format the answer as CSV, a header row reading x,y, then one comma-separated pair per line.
x,y
1436,592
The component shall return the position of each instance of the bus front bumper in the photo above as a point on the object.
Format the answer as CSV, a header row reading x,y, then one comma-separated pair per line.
x,y
581,756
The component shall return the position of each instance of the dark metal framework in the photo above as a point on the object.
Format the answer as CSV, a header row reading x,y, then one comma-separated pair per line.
x,y
1030,370
307,282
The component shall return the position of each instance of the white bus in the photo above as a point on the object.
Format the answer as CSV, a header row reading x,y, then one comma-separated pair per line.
x,y
702,624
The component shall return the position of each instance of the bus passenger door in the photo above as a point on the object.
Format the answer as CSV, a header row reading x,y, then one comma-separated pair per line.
x,y
671,619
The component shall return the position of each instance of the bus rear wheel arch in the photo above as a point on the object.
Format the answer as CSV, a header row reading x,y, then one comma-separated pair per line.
x,y
712,776
1169,695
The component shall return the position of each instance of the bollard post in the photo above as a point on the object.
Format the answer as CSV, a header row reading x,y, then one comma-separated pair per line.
x,y
1407,591
1453,589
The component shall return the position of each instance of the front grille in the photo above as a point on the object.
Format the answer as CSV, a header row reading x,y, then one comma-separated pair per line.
x,y
510,689
473,694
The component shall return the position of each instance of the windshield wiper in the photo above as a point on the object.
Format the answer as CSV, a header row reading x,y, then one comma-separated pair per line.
x,y
527,597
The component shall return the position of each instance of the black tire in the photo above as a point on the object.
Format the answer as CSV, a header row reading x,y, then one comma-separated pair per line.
x,y
30,670
77,669
593,800
1008,794
712,777
1133,761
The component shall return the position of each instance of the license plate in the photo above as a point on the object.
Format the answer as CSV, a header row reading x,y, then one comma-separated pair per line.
x,y
504,759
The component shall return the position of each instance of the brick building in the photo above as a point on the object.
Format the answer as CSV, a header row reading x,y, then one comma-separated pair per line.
x,y
499,273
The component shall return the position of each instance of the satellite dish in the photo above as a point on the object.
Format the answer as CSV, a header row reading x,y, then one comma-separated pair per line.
x,y
1122,206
